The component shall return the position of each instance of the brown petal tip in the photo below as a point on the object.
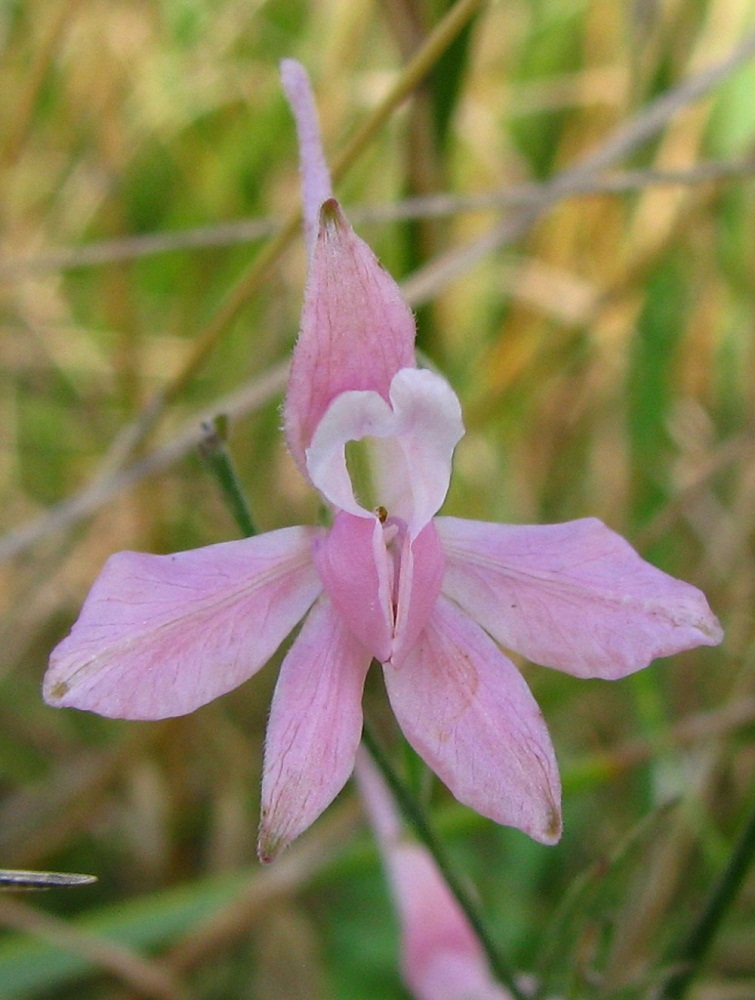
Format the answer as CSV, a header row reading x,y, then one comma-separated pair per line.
x,y
330,213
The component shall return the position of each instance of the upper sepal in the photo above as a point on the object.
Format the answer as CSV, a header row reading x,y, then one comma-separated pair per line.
x,y
356,330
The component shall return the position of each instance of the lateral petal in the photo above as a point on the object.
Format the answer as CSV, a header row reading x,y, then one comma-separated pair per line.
x,y
355,570
428,428
574,596
468,712
314,729
158,636
356,329
351,417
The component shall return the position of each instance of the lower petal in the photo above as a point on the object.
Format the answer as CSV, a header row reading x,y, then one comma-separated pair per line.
x,y
158,636
314,729
574,596
468,712
353,565
420,581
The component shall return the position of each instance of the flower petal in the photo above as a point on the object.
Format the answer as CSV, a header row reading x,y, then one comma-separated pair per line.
x,y
468,712
412,442
574,596
428,428
314,729
442,958
354,567
420,579
158,636
315,176
351,417
358,574
356,330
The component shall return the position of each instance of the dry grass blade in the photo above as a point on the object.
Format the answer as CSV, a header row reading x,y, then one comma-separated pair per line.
x,y
288,875
435,206
242,402
425,284
147,979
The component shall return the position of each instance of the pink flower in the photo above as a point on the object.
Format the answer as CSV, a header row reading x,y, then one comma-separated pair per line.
x,y
441,957
429,597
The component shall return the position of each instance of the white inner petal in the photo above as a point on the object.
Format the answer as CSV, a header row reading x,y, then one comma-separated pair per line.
x,y
411,444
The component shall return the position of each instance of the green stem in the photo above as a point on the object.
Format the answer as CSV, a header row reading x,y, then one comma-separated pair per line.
x,y
690,957
214,450
417,819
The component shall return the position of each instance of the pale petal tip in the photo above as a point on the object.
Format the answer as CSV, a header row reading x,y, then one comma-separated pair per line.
x,y
711,628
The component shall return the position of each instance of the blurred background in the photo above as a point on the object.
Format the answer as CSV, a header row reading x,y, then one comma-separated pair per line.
x,y
569,201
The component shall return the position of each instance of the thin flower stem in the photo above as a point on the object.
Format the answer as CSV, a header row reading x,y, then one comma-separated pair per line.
x,y
214,450
691,954
417,819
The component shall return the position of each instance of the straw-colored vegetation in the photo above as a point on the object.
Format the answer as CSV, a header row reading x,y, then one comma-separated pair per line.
x,y
595,313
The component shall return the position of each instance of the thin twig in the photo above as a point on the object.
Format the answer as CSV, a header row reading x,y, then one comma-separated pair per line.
x,y
144,976
94,496
135,247
692,729
435,206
